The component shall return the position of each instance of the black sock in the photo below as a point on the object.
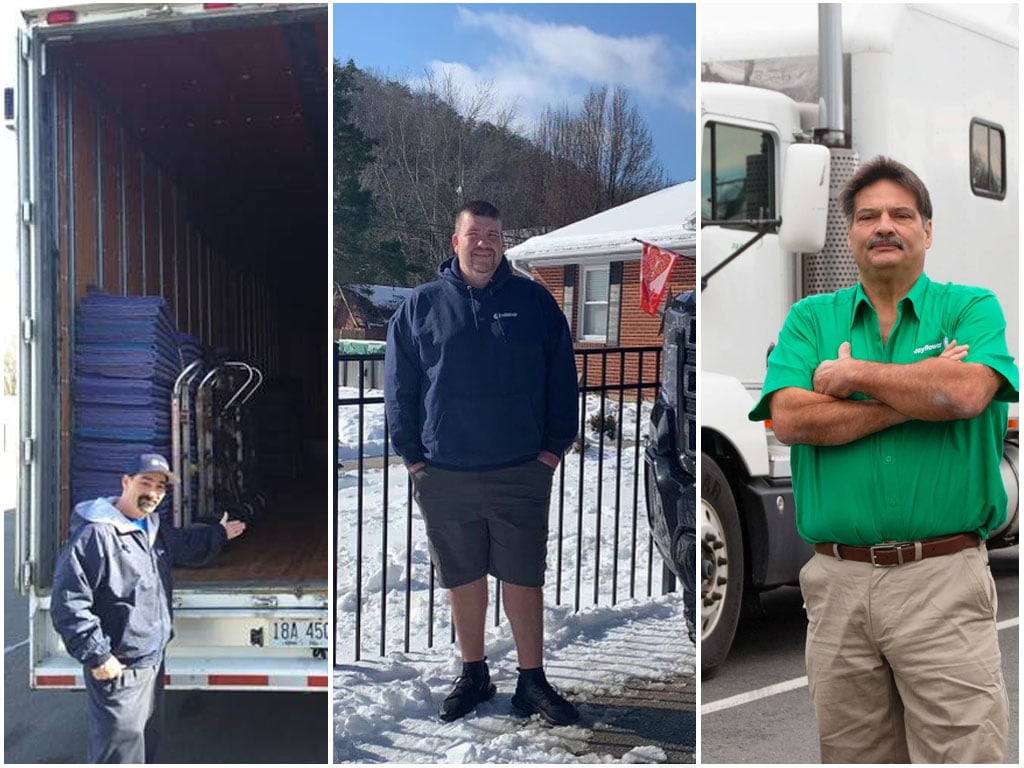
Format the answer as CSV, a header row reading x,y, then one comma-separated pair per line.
x,y
534,673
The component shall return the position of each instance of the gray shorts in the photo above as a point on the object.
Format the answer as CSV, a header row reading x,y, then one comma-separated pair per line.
x,y
491,521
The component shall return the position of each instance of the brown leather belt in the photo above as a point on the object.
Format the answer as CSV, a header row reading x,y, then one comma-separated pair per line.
x,y
899,552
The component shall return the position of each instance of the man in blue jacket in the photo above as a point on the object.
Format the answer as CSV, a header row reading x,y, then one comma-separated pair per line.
x,y
112,605
481,400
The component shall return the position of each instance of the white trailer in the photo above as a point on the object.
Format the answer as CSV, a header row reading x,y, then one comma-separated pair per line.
x,y
180,150
933,86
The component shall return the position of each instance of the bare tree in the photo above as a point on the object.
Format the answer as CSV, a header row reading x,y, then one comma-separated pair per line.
x,y
608,141
435,148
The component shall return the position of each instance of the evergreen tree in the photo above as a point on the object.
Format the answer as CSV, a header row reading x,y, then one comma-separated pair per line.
x,y
357,258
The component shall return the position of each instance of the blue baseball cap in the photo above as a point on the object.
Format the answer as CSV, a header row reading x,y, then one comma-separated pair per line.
x,y
153,462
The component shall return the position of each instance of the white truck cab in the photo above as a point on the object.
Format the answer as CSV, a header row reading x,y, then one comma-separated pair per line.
x,y
933,86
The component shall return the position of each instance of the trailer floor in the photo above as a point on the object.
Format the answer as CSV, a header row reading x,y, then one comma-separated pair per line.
x,y
286,546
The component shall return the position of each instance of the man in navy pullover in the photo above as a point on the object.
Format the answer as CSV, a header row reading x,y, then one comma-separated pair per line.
x,y
481,399
111,605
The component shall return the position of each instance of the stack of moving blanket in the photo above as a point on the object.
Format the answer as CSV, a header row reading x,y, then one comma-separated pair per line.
x,y
189,347
126,359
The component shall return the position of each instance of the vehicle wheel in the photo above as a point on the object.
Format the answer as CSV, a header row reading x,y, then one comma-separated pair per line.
x,y
721,547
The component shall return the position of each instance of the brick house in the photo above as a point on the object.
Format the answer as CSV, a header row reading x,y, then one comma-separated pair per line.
x,y
592,267
363,311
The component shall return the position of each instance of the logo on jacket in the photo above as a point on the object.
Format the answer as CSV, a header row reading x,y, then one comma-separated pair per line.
x,y
503,315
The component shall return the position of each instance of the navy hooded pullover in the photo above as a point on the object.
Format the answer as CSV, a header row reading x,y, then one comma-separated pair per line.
x,y
480,378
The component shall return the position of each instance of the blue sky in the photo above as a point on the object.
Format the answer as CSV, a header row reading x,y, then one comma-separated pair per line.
x,y
535,55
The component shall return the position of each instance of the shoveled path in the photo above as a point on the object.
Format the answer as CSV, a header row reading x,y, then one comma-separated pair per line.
x,y
660,714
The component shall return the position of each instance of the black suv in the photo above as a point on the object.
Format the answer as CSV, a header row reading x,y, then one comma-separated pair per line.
x,y
670,462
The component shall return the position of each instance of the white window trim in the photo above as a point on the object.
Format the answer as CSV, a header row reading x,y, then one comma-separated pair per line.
x,y
581,302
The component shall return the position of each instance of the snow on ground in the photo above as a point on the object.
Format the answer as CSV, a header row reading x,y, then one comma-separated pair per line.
x,y
385,710
385,707
348,425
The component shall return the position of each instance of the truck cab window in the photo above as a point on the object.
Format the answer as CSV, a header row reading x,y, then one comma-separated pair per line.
x,y
737,173
988,160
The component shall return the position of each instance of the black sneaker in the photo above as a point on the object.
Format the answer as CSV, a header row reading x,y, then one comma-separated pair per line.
x,y
534,695
471,687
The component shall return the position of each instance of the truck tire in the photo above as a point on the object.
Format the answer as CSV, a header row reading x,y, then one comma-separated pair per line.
x,y
721,545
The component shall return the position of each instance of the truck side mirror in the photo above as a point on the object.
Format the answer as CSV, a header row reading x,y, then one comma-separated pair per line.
x,y
805,179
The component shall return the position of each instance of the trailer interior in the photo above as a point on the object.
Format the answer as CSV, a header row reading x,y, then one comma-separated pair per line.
x,y
188,159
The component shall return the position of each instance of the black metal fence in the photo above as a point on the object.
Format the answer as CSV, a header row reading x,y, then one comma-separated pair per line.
x,y
599,551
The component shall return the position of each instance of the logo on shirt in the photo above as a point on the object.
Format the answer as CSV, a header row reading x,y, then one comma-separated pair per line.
x,y
503,315
932,347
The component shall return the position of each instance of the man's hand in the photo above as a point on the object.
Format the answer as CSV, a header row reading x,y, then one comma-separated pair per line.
x,y
233,528
831,376
414,468
111,669
941,388
954,351
547,457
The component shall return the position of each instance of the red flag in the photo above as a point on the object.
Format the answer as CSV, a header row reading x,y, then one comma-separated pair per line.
x,y
655,270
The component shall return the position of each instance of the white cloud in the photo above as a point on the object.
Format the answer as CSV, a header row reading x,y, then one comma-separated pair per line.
x,y
538,64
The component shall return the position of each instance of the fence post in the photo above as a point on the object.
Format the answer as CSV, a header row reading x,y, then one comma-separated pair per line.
x,y
360,511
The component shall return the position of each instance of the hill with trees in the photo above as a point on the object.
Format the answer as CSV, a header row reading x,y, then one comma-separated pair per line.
x,y
405,160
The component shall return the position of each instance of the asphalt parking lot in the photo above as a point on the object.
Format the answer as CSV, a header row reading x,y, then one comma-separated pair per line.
x,y
201,726
756,709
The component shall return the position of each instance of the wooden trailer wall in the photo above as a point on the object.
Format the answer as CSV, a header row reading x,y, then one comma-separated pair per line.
x,y
124,228
185,158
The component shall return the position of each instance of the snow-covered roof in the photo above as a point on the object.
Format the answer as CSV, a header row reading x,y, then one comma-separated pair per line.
x,y
383,296
366,307
667,218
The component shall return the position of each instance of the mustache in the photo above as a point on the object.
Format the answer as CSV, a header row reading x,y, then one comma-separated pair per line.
x,y
893,240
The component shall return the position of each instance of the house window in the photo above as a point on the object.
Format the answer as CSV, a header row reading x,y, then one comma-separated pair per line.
x,y
988,159
737,173
594,304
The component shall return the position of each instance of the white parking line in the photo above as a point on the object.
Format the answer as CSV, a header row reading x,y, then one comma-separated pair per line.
x,y
15,647
791,685
760,693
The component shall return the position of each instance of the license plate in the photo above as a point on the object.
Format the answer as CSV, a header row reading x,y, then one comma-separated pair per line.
x,y
288,633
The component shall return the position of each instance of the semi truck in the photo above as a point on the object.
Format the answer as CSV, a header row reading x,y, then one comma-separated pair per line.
x,y
933,86
179,151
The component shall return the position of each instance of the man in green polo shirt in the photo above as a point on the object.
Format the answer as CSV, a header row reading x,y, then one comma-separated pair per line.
x,y
893,396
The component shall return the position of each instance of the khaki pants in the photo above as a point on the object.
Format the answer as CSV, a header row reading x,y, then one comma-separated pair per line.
x,y
904,662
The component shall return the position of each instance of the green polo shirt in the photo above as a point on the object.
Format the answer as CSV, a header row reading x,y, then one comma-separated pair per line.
x,y
914,480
